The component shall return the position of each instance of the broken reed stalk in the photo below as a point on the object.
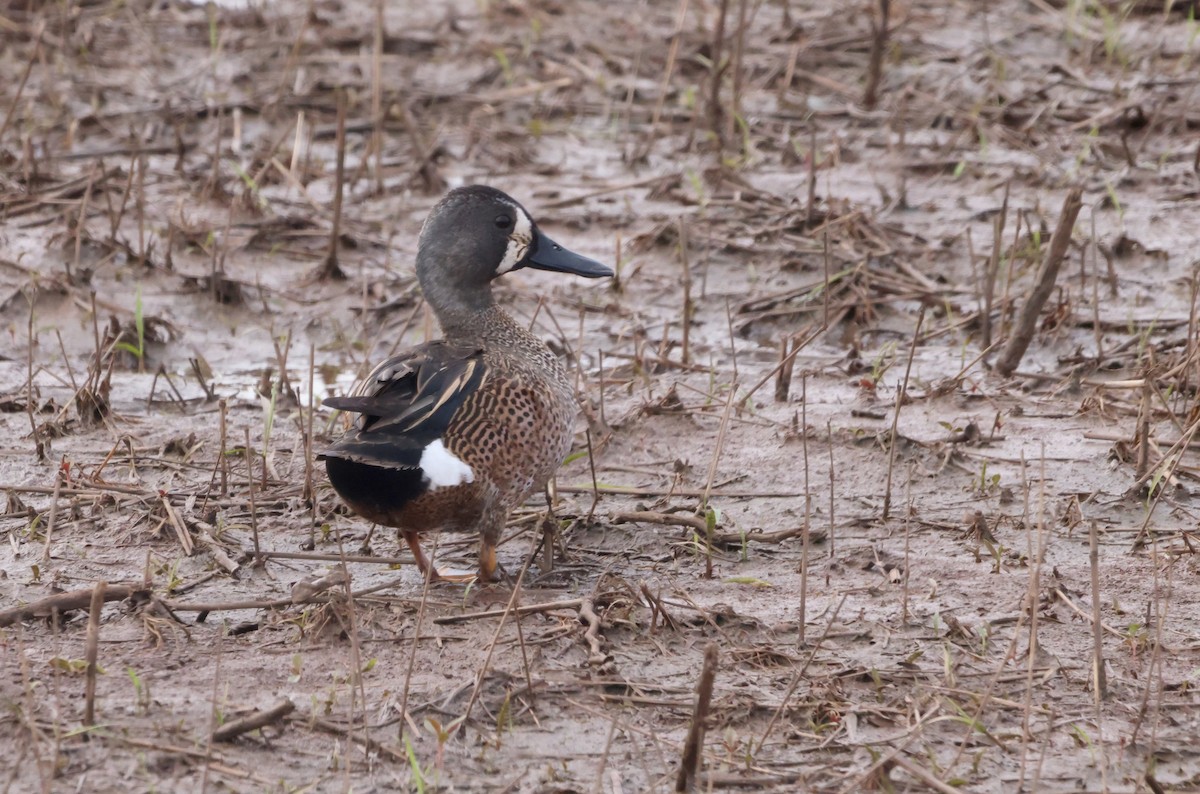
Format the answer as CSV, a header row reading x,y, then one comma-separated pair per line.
x,y
1097,327
716,70
693,747
907,533
30,338
377,79
214,709
712,474
80,223
733,353
1190,352
33,58
1143,431
1153,676
350,627
141,204
600,379
803,343
1031,604
91,651
832,484
901,397
591,467
783,380
810,211
1006,301
993,268
58,480
330,269
1043,286
211,188
687,291
258,558
310,493
807,505
1099,677
735,104
879,43
669,68
223,463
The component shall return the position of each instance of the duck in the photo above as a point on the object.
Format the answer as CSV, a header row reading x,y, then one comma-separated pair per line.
x,y
453,434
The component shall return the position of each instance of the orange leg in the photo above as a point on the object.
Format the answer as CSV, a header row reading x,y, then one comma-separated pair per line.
x,y
413,539
425,565
487,562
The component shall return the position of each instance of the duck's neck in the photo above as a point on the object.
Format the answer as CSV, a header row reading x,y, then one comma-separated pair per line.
x,y
490,324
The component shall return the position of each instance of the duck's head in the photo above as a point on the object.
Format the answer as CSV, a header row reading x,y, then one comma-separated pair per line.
x,y
477,233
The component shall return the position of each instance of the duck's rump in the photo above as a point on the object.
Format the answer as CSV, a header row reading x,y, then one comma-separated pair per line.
x,y
403,498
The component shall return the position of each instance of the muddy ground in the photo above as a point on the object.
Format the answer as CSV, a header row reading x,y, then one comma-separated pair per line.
x,y
925,620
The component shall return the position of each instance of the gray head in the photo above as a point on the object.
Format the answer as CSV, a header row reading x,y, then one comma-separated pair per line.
x,y
476,234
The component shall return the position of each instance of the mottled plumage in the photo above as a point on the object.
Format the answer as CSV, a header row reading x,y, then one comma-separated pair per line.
x,y
454,434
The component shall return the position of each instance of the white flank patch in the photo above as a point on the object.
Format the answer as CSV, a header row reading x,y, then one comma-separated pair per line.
x,y
518,242
442,469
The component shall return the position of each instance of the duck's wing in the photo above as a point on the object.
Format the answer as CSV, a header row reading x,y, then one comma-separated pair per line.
x,y
407,403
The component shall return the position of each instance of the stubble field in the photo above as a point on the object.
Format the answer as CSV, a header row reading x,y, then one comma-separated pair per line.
x,y
795,452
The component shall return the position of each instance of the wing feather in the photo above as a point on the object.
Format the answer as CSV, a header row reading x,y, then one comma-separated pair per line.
x,y
407,402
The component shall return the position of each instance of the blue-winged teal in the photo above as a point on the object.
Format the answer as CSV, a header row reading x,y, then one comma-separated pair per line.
x,y
454,434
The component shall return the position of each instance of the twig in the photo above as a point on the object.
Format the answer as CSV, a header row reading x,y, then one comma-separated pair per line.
x,y
719,538
64,602
260,719
31,342
924,775
631,491
33,58
1100,678
669,68
509,609
1078,610
879,42
91,651
587,430
310,492
372,745
570,603
807,536
667,519
250,484
1143,432
716,70
231,606
1027,322
181,531
993,267
50,522
901,398
587,613
330,269
798,675
320,557
693,747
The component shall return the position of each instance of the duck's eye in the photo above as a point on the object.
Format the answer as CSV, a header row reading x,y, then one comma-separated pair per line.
x,y
503,221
